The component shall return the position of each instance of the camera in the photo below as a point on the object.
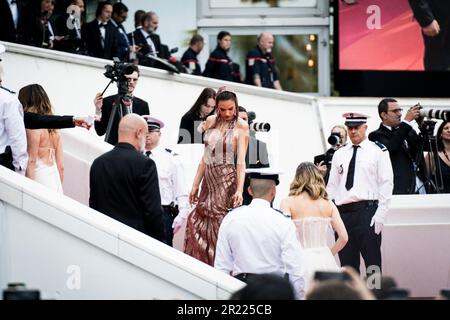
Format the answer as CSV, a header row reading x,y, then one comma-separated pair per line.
x,y
257,126
326,275
18,291
335,139
442,114
260,127
117,73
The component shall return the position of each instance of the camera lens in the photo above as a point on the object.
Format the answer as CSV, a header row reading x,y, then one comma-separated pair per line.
x,y
334,139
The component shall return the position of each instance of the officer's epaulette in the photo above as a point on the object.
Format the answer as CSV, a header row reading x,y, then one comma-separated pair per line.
x,y
382,146
10,91
284,214
170,151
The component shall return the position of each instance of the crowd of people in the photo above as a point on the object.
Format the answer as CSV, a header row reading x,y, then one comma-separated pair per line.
x,y
142,184
61,25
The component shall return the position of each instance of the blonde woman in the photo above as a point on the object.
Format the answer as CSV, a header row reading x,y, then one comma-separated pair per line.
x,y
45,153
314,215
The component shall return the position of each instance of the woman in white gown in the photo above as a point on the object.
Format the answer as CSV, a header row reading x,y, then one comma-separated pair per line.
x,y
45,153
315,217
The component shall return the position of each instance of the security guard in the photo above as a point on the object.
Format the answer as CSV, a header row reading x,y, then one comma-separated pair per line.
x,y
219,65
13,139
189,58
258,239
361,184
260,64
172,185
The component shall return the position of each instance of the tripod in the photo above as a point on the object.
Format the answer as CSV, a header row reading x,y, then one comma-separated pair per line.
x,y
120,107
434,181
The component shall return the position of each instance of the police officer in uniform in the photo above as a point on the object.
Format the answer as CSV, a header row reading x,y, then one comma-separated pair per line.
x,y
13,139
219,65
189,58
260,64
172,185
258,239
361,184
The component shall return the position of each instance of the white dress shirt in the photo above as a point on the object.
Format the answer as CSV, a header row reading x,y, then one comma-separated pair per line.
x,y
102,31
172,184
14,13
258,239
149,42
373,180
12,130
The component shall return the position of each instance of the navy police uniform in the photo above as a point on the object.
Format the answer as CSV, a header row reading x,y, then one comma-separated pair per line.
x,y
262,64
189,60
219,65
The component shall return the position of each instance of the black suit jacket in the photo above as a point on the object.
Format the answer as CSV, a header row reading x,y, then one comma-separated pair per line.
x,y
402,157
139,106
39,121
256,157
124,186
23,34
138,39
91,37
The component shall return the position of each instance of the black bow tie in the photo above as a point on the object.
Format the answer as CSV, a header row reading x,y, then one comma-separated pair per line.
x,y
13,1
102,25
148,153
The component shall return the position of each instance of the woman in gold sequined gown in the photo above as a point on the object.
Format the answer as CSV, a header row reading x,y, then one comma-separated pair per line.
x,y
221,173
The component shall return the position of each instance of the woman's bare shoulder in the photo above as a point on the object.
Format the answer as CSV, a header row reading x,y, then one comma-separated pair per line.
x,y
242,124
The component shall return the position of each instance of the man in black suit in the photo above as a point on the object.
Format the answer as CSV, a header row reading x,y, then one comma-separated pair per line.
x,y
403,144
256,157
99,36
433,16
146,40
124,182
15,21
104,108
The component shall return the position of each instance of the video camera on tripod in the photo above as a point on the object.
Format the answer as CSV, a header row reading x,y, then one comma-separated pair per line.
x,y
122,106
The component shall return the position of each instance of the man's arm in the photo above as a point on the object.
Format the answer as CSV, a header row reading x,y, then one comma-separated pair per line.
x,y
293,259
397,140
385,181
40,121
151,198
16,135
422,12
224,257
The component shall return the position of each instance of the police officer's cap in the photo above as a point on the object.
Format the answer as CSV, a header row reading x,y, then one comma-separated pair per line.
x,y
153,123
355,119
265,174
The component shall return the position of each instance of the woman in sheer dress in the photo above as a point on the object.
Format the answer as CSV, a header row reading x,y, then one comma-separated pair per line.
x,y
314,216
45,153
221,173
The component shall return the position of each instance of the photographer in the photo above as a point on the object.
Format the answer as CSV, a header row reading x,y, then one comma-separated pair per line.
x,y
104,107
337,139
403,144
256,157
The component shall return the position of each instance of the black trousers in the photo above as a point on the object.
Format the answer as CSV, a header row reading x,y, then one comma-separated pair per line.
x,y
168,218
361,237
6,158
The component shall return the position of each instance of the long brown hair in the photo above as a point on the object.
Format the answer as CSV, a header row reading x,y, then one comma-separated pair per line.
x,y
308,179
34,99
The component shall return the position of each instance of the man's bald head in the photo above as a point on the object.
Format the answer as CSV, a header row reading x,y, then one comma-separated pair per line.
x,y
133,129
266,41
262,188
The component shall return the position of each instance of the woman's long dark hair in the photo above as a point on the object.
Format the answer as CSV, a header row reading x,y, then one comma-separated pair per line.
x,y
440,144
207,93
225,96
